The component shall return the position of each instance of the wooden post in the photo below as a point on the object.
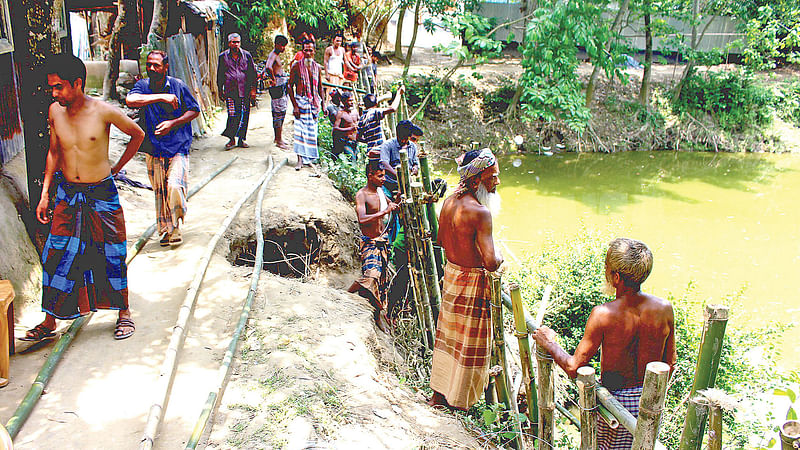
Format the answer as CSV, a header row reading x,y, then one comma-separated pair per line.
x,y
716,319
651,404
529,377
503,380
587,401
546,391
790,435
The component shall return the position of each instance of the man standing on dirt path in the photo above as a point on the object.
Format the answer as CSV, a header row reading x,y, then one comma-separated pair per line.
x,y
277,80
373,209
305,91
460,365
83,261
236,76
633,330
168,108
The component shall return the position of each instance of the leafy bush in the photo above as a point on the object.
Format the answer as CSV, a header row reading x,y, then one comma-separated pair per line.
x,y
734,99
575,269
418,86
787,103
346,175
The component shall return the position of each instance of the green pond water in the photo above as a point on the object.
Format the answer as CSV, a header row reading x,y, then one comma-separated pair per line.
x,y
722,221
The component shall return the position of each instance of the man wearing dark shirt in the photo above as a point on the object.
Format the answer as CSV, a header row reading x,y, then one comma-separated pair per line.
x,y
168,107
390,152
236,75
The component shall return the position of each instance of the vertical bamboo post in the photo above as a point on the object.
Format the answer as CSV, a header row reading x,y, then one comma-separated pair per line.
x,y
417,266
546,393
790,435
415,288
587,401
406,176
429,268
716,319
698,409
715,428
651,404
503,380
524,353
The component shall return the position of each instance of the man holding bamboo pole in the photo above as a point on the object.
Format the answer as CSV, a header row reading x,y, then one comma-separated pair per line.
x,y
634,329
374,209
459,372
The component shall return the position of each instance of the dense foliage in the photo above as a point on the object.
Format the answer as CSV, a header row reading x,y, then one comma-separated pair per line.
x,y
575,270
734,99
346,175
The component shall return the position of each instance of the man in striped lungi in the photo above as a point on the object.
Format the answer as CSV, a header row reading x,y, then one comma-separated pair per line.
x,y
459,370
168,107
634,329
305,91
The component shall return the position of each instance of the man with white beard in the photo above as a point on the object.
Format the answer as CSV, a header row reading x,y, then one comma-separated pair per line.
x,y
460,367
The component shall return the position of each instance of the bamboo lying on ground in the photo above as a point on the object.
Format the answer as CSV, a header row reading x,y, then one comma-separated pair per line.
x,y
258,267
502,379
167,373
587,401
25,408
716,319
651,404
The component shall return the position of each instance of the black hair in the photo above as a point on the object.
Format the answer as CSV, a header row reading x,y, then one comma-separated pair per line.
x,y
68,67
336,97
339,34
345,95
307,41
373,165
162,53
370,100
376,53
281,40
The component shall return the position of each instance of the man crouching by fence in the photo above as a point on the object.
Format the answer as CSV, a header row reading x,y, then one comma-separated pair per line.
x,y
374,209
634,329
459,371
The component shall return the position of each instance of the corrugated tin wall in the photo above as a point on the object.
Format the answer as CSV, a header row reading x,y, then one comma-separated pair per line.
x,y
11,139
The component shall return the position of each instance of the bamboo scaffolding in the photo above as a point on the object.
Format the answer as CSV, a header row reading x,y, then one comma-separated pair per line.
x,y
521,331
167,373
587,401
716,319
502,379
224,368
546,392
651,404
25,407
428,252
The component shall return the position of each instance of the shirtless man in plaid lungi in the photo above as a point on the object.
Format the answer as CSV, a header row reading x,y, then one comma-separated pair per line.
x,y
633,330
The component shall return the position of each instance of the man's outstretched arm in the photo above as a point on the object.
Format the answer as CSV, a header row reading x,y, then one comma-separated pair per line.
x,y
587,348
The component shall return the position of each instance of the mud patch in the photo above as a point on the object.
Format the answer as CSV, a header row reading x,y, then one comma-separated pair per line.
x,y
290,252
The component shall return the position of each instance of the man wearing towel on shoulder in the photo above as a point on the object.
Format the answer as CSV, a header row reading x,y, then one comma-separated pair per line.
x,y
460,367
305,92
374,209
633,330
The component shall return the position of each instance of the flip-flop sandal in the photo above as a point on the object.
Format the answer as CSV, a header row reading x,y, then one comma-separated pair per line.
x,y
165,240
124,322
38,333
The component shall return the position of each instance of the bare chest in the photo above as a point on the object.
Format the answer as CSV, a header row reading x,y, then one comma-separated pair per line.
x,y
80,132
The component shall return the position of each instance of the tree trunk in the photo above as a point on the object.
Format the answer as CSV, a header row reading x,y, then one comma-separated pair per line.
x,y
695,42
126,18
32,35
644,91
623,8
511,111
398,39
413,39
158,25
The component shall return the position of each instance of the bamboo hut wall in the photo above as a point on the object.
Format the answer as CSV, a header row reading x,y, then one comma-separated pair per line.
x,y
183,64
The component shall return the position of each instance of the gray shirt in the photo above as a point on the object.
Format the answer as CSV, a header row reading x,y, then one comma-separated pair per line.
x,y
390,156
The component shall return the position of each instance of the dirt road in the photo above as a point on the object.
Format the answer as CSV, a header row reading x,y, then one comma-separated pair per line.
x,y
101,392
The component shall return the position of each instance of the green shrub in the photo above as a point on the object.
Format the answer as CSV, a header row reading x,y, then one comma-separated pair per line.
x,y
346,175
418,87
734,99
787,103
575,269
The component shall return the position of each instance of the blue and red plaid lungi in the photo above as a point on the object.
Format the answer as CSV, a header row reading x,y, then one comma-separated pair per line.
x,y
619,439
374,270
83,261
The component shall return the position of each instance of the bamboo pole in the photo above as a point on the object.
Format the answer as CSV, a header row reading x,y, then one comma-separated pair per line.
x,y
546,393
651,404
347,88
416,289
698,408
502,380
25,407
258,267
715,428
587,401
790,435
413,243
428,255
167,373
529,377
716,319
405,186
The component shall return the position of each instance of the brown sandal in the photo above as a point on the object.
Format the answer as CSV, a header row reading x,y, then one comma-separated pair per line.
x,y
38,333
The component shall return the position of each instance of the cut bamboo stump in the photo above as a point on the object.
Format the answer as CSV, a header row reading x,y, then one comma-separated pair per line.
x,y
529,377
587,401
698,409
716,319
790,435
651,404
547,404
715,428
